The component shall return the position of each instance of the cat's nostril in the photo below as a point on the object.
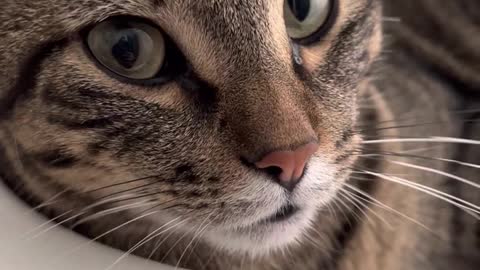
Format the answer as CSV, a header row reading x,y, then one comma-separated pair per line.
x,y
274,171
288,167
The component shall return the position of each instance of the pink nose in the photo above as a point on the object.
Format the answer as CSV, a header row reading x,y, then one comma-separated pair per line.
x,y
291,163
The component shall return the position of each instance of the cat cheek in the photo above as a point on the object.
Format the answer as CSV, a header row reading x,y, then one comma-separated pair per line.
x,y
313,57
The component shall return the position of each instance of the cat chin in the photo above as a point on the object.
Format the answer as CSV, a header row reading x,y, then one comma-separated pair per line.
x,y
264,233
265,237
318,188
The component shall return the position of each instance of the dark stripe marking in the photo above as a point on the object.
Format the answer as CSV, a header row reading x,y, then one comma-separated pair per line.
x,y
195,194
97,147
49,97
14,181
98,123
27,76
214,192
203,93
57,158
184,173
79,98
213,179
349,36
343,157
347,136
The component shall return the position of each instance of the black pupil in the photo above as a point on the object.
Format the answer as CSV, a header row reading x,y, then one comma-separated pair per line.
x,y
127,48
300,8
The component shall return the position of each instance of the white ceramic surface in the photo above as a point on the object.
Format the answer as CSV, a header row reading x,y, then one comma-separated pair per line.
x,y
57,249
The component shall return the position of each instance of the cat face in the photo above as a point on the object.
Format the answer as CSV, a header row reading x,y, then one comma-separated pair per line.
x,y
187,98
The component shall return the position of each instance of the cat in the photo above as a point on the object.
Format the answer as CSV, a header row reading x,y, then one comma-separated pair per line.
x,y
259,134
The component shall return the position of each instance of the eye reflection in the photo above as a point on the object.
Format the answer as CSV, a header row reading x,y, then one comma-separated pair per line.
x,y
131,49
303,18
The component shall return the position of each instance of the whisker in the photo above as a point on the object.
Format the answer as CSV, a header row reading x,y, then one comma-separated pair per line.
x,y
28,234
421,149
380,204
354,203
365,206
430,139
414,125
51,202
159,231
159,243
466,164
356,216
194,247
113,210
365,203
400,154
332,212
313,242
174,245
324,240
399,120
423,168
81,212
127,190
198,233
213,253
121,183
145,195
361,178
427,169
342,211
391,19
56,225
110,231
468,207
47,202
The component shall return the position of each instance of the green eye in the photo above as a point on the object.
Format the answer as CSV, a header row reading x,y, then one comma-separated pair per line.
x,y
305,18
131,49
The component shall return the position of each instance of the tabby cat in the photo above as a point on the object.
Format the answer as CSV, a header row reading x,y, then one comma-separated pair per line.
x,y
249,134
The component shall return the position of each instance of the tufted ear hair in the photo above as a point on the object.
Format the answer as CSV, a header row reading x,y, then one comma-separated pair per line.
x,y
446,36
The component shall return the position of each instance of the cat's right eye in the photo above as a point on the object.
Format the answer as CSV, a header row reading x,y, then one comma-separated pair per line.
x,y
129,48
307,19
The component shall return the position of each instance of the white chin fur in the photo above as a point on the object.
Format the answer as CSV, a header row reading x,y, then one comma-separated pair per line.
x,y
263,238
316,189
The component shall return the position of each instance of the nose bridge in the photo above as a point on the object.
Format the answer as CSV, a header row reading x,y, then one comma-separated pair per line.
x,y
266,114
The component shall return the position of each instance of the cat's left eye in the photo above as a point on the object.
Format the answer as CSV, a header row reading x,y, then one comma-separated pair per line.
x,y
132,49
306,18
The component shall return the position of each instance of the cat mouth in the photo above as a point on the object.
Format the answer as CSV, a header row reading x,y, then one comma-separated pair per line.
x,y
284,213
275,230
